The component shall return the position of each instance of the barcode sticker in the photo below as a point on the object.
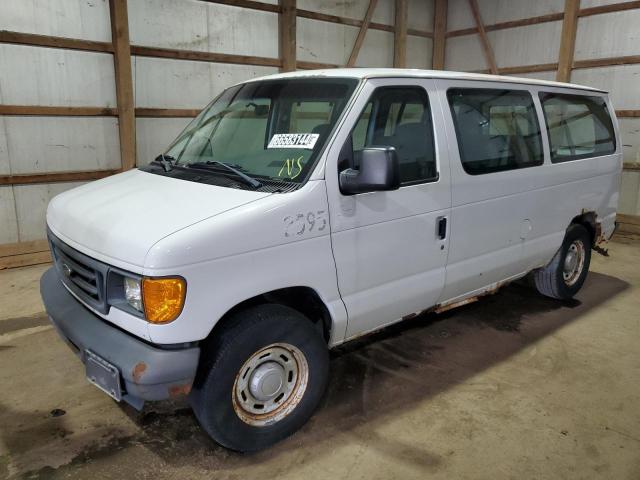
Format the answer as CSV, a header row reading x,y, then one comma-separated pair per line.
x,y
294,140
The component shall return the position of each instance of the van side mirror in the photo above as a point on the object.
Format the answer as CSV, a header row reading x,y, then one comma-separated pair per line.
x,y
379,171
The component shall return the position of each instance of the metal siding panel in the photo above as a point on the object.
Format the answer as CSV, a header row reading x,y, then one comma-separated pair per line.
x,y
49,76
377,50
623,83
326,42
31,207
526,45
155,134
84,19
8,220
203,27
419,52
608,35
168,83
52,144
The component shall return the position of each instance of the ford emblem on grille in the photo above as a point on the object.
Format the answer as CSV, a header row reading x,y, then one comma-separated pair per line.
x,y
66,269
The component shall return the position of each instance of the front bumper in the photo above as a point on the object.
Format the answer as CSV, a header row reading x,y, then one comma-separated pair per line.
x,y
147,372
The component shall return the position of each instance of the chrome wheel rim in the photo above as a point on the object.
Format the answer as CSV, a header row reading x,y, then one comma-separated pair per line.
x,y
270,384
573,262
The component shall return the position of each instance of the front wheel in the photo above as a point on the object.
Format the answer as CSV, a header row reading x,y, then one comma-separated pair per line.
x,y
262,377
563,277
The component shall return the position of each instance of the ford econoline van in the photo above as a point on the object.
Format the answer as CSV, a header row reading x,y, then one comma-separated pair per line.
x,y
299,211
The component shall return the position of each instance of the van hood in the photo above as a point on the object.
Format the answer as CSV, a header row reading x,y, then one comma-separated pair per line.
x,y
119,218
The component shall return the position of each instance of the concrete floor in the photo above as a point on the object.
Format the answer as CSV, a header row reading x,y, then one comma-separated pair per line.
x,y
514,386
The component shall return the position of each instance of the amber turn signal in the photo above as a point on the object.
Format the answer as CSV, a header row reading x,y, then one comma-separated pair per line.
x,y
163,298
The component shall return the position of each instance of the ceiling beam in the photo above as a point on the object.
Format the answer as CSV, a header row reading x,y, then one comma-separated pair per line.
x,y
484,40
361,34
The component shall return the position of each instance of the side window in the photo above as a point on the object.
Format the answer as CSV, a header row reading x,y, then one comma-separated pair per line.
x,y
577,126
399,117
497,130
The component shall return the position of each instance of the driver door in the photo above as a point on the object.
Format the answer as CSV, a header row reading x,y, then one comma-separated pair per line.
x,y
391,247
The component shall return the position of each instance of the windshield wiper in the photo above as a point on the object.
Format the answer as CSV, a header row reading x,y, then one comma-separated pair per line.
x,y
167,161
252,182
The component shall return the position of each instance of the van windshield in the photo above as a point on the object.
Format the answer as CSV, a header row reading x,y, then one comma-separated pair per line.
x,y
271,129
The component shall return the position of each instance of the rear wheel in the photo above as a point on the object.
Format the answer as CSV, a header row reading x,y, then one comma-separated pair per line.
x,y
262,377
563,277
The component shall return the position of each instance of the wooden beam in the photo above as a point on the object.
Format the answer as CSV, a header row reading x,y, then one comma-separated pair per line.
x,y
439,34
568,40
613,7
484,40
167,112
418,33
25,260
362,33
18,38
607,62
400,34
523,22
32,110
323,17
249,4
32,178
304,65
628,113
20,248
124,82
199,56
287,35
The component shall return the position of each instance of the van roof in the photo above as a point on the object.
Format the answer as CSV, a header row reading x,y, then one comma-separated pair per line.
x,y
417,73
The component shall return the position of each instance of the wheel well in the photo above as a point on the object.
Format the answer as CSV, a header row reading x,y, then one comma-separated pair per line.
x,y
588,221
303,299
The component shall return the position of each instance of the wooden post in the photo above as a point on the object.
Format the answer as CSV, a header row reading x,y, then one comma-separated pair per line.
x,y
400,37
287,35
439,34
361,34
124,82
568,40
486,46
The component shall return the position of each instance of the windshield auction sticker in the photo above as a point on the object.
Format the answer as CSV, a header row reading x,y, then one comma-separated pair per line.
x,y
294,140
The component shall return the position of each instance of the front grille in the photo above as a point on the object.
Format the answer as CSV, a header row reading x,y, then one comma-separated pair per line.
x,y
83,275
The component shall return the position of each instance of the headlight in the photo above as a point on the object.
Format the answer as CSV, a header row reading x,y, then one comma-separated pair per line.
x,y
163,298
133,293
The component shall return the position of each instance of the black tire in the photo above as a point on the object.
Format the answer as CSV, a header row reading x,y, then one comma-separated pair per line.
x,y
550,280
213,397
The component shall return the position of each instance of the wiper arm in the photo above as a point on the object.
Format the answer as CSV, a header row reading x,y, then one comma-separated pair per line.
x,y
167,161
252,182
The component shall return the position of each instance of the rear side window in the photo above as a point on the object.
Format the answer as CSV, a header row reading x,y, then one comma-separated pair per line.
x,y
400,117
497,130
578,126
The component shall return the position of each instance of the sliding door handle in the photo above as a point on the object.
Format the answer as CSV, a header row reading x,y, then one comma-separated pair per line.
x,y
442,227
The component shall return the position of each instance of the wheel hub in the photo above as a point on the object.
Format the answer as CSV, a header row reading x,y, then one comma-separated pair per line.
x,y
266,381
573,262
270,384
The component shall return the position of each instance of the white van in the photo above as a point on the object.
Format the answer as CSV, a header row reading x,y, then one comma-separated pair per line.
x,y
302,210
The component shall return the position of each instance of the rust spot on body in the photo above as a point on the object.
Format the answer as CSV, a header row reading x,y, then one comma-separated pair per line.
x,y
179,390
138,371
